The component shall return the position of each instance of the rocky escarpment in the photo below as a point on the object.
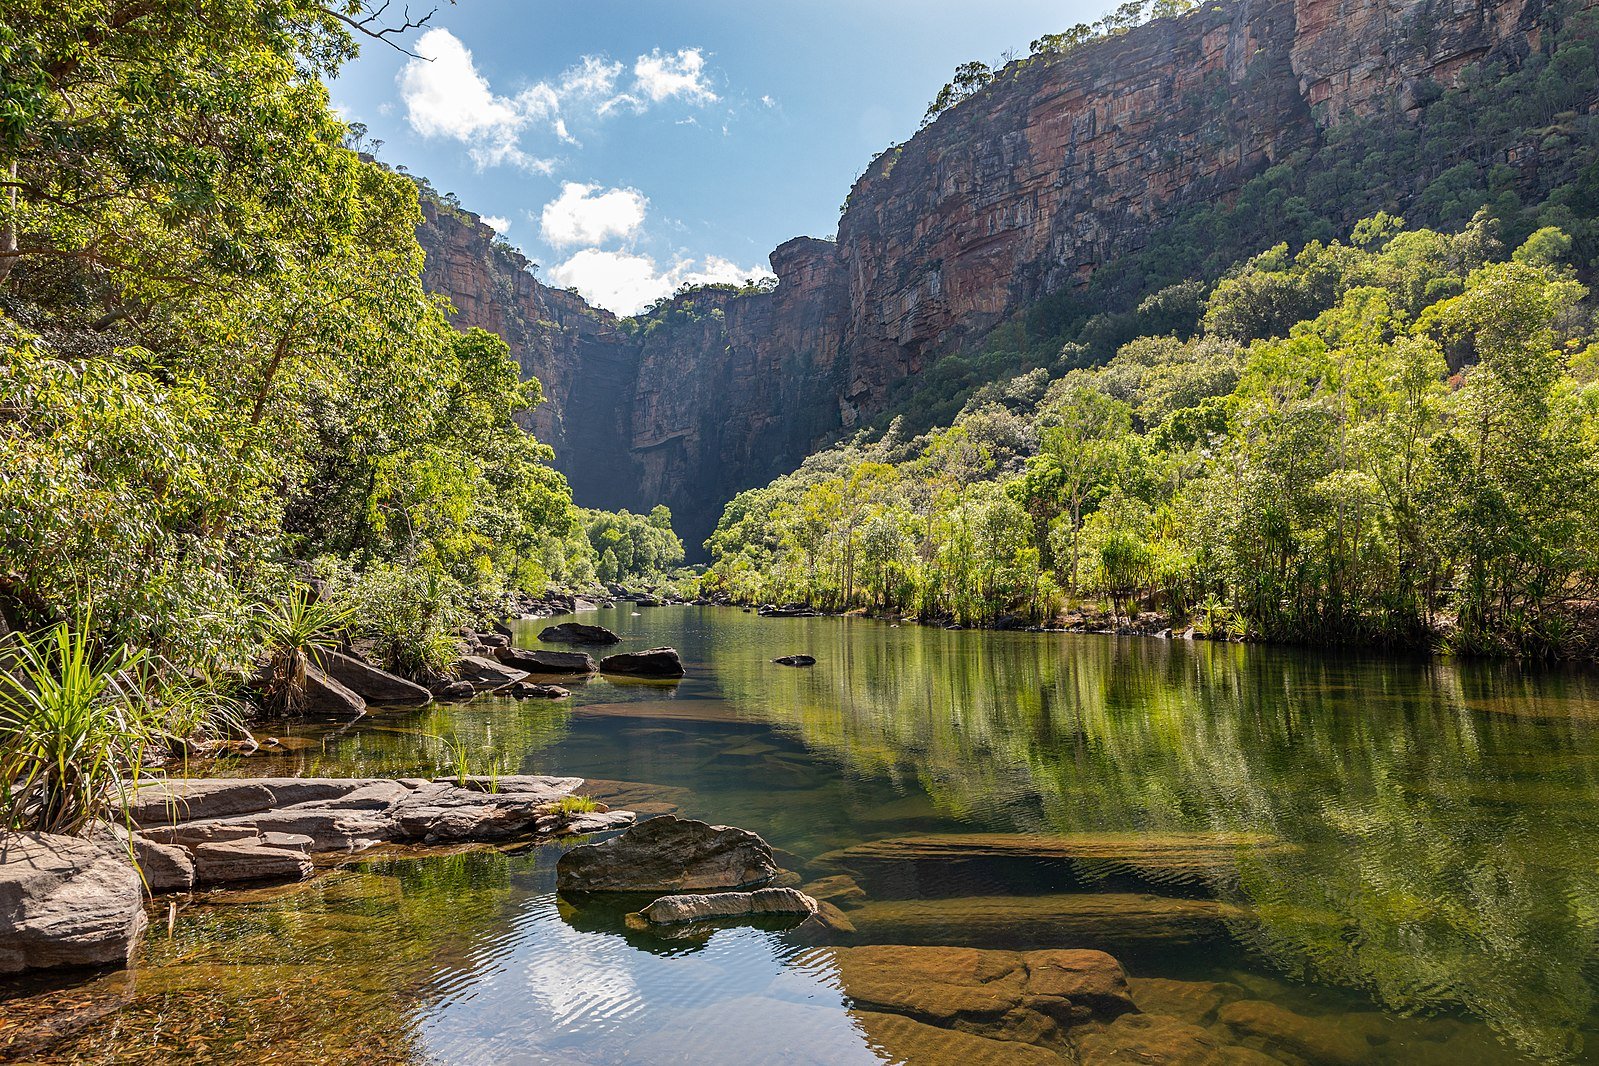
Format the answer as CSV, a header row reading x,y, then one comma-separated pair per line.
x,y
1062,166
585,361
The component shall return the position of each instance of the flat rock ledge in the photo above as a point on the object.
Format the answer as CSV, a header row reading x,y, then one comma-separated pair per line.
x,y
253,829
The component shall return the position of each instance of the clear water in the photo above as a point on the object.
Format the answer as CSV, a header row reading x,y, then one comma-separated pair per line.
x,y
1403,853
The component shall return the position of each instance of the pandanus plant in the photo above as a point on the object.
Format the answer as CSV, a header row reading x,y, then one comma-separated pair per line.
x,y
291,630
75,729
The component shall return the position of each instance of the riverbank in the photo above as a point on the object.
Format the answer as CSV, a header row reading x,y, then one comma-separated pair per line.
x,y
79,901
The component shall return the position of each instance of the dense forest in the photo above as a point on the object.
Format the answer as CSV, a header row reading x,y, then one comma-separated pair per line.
x,y
220,376
1389,439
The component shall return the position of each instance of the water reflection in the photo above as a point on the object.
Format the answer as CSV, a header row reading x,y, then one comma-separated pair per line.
x,y
1333,834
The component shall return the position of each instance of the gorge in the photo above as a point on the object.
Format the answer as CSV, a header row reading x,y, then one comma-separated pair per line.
x,y
1055,183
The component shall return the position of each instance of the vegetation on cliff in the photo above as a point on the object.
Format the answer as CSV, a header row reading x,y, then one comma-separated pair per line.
x,y
1374,441
1515,137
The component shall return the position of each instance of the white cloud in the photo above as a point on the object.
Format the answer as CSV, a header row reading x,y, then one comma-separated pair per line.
x,y
663,75
592,76
497,224
626,283
583,214
445,95
768,101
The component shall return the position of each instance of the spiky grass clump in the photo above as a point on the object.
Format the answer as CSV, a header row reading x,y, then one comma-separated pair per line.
x,y
75,729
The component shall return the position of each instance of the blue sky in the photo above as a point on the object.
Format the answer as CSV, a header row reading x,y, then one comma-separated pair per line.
x,y
628,146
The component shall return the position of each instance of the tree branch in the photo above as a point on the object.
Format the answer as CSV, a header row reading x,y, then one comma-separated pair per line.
x,y
370,24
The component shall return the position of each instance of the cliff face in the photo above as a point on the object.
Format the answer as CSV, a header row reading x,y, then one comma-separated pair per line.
x,y
1018,193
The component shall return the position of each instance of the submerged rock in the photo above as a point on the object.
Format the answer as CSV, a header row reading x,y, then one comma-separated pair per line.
x,y
903,1039
1195,1002
670,910
1189,859
653,662
66,901
1279,1031
986,989
1155,1038
547,662
796,660
578,633
669,854
1105,920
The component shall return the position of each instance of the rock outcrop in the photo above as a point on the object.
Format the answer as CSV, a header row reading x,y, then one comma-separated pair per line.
x,y
1017,194
215,818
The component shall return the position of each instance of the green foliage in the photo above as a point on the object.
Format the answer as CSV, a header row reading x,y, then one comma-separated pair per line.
x,y
1373,442
75,729
630,547
571,806
217,357
291,630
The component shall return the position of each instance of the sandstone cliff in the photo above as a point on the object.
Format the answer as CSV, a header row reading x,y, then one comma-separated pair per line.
x,y
1061,166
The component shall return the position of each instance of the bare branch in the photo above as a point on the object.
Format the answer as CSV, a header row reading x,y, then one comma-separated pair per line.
x,y
370,24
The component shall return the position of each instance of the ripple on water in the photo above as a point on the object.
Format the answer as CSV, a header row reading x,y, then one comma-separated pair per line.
x,y
564,994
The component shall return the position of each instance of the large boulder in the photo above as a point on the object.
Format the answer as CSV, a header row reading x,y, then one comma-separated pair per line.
x,y
486,675
325,694
367,681
669,854
547,662
670,910
65,901
578,633
653,662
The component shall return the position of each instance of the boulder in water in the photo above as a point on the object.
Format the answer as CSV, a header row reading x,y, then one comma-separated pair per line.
x,y
578,633
653,662
368,682
486,675
325,694
669,854
547,662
